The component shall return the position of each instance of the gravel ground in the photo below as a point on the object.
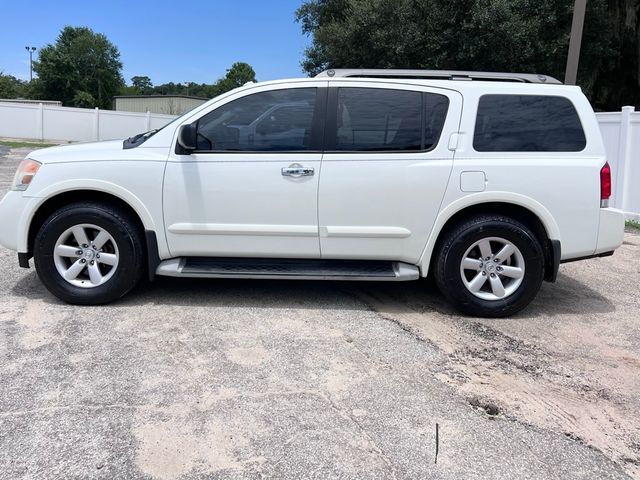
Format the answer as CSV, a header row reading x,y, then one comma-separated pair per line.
x,y
246,379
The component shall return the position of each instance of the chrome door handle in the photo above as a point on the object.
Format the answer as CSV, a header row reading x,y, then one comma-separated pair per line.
x,y
297,170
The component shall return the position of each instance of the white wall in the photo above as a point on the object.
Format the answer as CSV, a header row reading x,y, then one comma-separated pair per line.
x,y
620,131
621,135
48,122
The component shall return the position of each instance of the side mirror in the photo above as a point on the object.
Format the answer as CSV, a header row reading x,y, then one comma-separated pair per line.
x,y
187,138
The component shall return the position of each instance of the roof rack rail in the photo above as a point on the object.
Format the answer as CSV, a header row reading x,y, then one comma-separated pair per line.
x,y
440,75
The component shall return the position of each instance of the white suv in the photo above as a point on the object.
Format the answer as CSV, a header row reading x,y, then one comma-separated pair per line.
x,y
487,180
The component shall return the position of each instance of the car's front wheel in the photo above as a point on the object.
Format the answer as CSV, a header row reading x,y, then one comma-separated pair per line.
x,y
490,266
89,253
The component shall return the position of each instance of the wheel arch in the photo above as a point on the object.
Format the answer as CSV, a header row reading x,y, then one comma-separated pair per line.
x,y
61,197
519,207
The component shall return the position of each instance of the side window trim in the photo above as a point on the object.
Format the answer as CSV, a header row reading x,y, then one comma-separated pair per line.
x,y
423,123
331,123
425,105
317,127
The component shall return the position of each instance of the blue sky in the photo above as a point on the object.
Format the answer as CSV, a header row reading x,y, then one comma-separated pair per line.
x,y
176,40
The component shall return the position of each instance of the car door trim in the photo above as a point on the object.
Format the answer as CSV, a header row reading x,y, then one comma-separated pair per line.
x,y
364,232
244,229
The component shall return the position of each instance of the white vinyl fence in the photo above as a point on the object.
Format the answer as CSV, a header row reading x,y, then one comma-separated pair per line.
x,y
620,130
621,134
48,122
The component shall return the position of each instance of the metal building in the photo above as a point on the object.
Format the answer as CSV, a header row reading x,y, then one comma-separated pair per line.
x,y
55,103
167,104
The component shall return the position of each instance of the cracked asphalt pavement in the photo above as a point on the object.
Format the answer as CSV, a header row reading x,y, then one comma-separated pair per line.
x,y
190,379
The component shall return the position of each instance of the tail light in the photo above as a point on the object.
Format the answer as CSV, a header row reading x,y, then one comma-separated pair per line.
x,y
605,185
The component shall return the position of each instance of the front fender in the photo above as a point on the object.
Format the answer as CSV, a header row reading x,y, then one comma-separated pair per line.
x,y
37,199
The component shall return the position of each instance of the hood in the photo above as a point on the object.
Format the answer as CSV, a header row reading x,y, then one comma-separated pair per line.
x,y
107,150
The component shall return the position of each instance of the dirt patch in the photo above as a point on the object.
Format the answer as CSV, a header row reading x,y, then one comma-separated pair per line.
x,y
248,356
38,328
570,366
175,447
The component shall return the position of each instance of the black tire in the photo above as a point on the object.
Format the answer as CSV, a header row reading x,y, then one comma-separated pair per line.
x,y
461,237
122,228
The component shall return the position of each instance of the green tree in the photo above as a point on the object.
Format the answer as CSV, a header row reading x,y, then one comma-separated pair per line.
x,y
237,75
84,100
11,87
618,78
240,73
142,85
495,35
79,61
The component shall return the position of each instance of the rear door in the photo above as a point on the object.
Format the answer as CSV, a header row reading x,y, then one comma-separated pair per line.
x,y
385,168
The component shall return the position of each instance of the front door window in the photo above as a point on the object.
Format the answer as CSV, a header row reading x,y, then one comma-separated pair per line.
x,y
275,121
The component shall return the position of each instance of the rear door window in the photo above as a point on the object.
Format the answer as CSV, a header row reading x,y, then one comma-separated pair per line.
x,y
527,123
375,120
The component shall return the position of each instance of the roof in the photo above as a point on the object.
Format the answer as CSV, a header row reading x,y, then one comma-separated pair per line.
x,y
440,75
26,100
161,96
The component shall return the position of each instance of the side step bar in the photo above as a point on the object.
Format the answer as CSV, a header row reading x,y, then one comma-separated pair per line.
x,y
268,268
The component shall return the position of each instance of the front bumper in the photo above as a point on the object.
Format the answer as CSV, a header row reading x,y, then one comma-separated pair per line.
x,y
15,216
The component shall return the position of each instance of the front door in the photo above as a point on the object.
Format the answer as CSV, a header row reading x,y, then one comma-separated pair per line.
x,y
251,187
385,169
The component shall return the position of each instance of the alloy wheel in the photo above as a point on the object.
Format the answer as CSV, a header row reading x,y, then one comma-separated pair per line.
x,y
492,268
86,255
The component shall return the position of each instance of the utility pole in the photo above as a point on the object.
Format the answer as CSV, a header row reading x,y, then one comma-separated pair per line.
x,y
573,58
30,50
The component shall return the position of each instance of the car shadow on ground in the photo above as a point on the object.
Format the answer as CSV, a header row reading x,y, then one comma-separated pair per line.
x,y
566,296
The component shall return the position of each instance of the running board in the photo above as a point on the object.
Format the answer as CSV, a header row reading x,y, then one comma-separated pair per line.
x,y
206,267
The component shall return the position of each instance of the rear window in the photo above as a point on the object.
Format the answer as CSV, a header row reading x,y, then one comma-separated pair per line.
x,y
388,120
527,123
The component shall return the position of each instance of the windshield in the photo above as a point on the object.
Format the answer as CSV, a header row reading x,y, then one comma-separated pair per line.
x,y
140,138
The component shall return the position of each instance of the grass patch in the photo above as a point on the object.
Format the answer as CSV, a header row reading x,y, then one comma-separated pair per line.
x,y
635,224
25,144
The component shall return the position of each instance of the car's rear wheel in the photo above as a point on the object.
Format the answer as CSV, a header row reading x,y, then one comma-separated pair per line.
x,y
490,266
89,253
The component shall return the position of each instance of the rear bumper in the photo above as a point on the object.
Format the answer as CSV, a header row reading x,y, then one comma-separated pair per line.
x,y
611,230
610,235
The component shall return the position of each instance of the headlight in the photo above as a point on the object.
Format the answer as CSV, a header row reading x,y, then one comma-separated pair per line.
x,y
26,171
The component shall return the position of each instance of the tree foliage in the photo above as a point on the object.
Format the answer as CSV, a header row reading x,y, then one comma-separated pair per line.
x,y
618,80
79,62
237,75
11,87
84,100
142,85
494,35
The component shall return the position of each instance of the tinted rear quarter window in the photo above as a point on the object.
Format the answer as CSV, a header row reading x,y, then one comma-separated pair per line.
x,y
376,119
527,123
